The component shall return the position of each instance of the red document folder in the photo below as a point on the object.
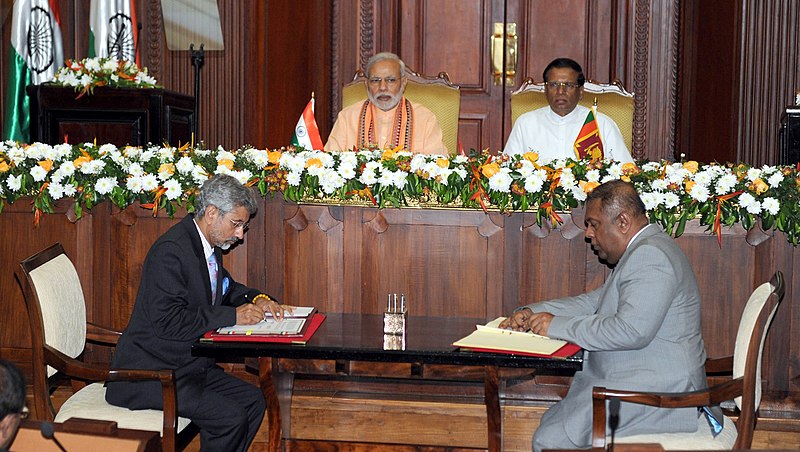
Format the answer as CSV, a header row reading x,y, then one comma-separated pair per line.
x,y
563,352
313,325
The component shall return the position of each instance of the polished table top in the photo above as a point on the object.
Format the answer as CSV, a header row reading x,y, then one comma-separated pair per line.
x,y
360,337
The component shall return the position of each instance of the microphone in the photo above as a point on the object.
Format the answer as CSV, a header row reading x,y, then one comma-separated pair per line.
x,y
49,432
613,420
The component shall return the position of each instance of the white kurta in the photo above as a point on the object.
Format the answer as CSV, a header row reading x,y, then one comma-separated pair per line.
x,y
553,136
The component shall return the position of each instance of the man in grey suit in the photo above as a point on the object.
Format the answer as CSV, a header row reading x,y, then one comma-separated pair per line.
x,y
640,330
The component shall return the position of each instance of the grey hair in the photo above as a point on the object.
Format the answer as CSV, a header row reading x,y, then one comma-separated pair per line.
x,y
227,194
384,56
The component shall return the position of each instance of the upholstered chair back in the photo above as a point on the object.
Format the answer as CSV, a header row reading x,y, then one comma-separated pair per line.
x,y
612,100
745,339
438,94
63,308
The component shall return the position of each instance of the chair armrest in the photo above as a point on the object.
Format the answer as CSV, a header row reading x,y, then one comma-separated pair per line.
x,y
722,365
706,397
101,334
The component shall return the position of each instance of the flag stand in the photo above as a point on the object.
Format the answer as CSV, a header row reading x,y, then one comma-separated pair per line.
x,y
198,59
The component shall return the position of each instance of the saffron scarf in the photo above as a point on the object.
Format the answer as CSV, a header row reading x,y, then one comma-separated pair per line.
x,y
402,132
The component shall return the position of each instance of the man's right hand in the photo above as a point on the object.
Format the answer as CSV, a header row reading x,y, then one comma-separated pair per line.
x,y
517,321
249,314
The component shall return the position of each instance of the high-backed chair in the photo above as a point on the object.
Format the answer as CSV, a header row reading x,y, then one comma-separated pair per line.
x,y
612,100
744,386
59,332
438,94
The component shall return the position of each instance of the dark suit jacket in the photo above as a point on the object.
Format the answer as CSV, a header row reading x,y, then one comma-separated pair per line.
x,y
173,309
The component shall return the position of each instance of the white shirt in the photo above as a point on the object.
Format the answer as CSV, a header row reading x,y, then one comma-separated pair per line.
x,y
208,250
553,136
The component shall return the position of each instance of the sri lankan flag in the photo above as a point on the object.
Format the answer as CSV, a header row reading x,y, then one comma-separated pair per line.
x,y
588,143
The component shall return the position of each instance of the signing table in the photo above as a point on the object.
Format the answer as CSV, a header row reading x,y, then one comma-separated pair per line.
x,y
359,337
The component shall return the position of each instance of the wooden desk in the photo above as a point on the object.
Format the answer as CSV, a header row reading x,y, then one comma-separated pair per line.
x,y
344,338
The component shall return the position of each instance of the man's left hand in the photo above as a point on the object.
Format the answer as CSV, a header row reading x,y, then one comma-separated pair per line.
x,y
272,307
539,322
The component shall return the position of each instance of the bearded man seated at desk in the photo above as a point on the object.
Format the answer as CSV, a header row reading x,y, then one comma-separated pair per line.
x,y
386,118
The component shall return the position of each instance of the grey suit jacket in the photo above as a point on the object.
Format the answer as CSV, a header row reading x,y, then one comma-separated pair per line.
x,y
641,331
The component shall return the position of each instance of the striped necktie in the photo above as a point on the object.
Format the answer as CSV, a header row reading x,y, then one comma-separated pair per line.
x,y
212,275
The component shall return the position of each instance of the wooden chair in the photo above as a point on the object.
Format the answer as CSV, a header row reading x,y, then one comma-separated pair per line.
x,y
744,386
438,94
59,332
612,100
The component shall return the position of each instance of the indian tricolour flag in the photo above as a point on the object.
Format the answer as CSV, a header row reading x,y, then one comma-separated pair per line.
x,y
306,132
113,31
35,56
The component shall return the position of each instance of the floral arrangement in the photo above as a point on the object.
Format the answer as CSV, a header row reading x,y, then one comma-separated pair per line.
x,y
88,73
163,177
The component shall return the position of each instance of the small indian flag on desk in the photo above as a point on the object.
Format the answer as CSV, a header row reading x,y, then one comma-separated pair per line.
x,y
588,143
306,132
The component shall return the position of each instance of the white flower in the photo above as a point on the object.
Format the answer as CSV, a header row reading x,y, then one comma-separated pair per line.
x,y
771,205
700,193
61,151
386,178
222,154
462,173
750,203
501,181
69,190
651,166
134,184
184,165
460,159
105,185
110,65
149,182
753,174
147,155
56,190
38,173
135,169
242,176
725,184
703,178
347,171
199,175
671,200
659,185
368,177
330,181
615,170
651,200
293,178
85,80
166,154
533,183
399,179
260,158
578,193
593,175
418,162
93,167
173,189
567,179
775,180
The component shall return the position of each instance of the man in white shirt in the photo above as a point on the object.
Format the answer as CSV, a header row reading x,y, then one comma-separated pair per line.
x,y
551,131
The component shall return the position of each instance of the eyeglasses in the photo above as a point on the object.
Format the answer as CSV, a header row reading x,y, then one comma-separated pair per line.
x,y
390,81
24,413
568,86
244,226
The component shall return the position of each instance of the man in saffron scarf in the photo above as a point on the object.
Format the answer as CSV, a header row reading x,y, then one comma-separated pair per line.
x,y
387,119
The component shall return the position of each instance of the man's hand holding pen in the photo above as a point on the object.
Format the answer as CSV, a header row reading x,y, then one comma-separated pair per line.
x,y
527,320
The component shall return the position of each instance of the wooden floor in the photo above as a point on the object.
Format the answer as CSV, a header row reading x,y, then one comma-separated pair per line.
x,y
361,423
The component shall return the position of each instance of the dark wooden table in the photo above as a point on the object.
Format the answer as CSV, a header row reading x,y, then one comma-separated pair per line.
x,y
360,337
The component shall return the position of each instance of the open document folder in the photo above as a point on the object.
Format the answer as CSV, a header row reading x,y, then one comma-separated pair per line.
x,y
490,338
